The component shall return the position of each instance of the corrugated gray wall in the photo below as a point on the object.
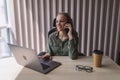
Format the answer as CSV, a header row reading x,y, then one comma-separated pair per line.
x,y
96,21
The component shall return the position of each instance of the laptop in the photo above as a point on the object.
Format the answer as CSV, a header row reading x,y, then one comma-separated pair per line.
x,y
28,58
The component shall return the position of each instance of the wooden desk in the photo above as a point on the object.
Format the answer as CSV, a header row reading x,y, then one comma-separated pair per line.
x,y
10,70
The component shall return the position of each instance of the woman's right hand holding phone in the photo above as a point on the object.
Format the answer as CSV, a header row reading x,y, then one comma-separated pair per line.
x,y
69,26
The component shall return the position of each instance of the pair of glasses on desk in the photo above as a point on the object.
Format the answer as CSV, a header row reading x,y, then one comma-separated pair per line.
x,y
85,68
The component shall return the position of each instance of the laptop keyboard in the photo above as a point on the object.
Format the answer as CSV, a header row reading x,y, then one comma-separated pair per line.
x,y
45,66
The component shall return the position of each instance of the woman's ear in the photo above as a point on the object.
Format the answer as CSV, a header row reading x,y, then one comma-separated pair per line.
x,y
54,22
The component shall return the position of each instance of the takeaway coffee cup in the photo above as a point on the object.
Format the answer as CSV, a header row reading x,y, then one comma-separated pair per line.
x,y
97,58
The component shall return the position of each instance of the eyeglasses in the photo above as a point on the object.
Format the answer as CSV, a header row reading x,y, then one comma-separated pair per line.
x,y
85,68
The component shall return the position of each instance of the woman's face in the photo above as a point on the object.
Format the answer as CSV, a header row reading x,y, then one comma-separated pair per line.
x,y
60,22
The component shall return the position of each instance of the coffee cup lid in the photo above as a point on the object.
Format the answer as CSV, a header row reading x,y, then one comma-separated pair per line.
x,y
98,51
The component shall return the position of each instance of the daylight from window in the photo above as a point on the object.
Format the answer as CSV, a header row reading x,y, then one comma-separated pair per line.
x,y
4,49
3,17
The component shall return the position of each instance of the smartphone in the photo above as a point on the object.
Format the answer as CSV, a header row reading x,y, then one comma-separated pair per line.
x,y
66,30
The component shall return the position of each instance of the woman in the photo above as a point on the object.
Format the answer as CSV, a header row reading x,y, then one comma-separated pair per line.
x,y
64,41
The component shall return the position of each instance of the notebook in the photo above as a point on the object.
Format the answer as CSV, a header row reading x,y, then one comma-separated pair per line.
x,y
28,58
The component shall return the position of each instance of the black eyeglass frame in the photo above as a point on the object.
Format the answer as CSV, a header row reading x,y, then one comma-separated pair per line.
x,y
85,68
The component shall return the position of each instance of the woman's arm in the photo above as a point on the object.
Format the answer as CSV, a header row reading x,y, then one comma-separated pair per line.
x,y
73,47
73,42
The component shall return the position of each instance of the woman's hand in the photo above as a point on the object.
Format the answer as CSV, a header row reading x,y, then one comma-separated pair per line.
x,y
68,26
46,56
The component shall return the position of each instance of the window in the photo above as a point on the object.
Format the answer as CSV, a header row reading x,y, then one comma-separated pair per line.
x,y
4,49
3,12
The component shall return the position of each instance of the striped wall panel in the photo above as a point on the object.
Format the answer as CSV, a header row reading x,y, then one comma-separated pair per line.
x,y
96,21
